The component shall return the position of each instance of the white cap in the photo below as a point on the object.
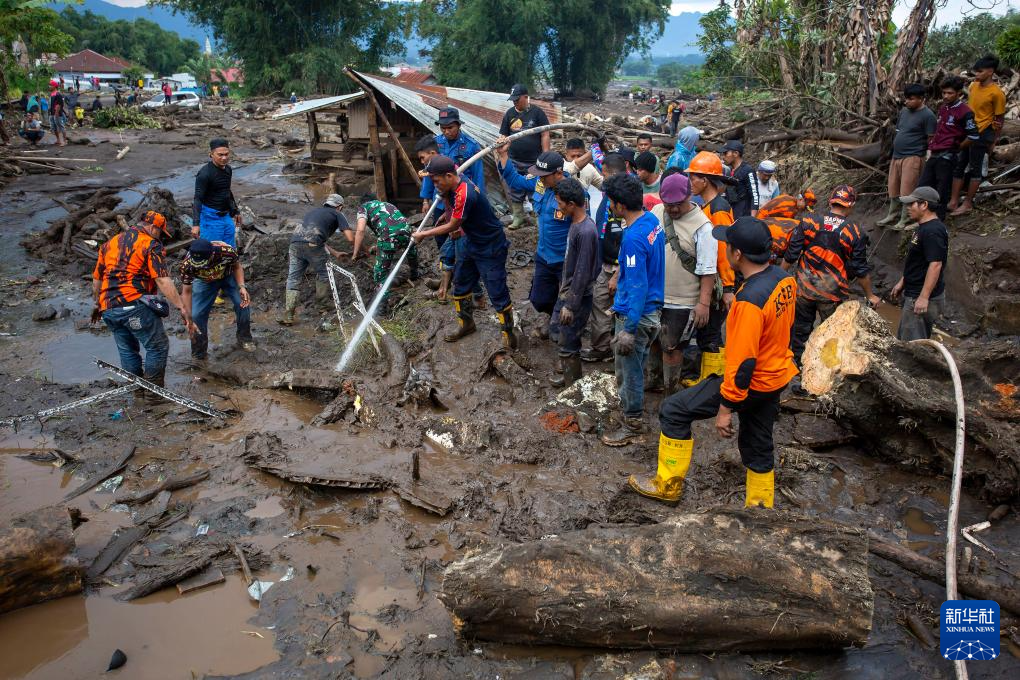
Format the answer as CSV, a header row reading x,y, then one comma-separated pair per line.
x,y
768,167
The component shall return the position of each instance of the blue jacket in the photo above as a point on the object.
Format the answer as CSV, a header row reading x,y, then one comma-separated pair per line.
x,y
640,289
553,226
428,193
460,150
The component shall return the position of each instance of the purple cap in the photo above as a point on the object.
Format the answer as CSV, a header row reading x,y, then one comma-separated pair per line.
x,y
675,188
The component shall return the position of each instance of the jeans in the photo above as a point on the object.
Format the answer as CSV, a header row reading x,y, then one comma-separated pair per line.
x,y
630,370
452,251
216,227
756,414
570,336
203,295
914,327
301,257
134,326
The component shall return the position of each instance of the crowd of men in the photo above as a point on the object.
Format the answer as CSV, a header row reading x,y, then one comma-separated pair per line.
x,y
700,278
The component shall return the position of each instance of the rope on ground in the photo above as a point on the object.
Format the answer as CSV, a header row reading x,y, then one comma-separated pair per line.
x,y
954,497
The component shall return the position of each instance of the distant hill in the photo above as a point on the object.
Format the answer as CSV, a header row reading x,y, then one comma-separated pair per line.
x,y
168,21
679,36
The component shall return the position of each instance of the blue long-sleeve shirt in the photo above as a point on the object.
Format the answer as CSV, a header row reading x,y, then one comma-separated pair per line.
x,y
640,289
428,193
553,226
460,150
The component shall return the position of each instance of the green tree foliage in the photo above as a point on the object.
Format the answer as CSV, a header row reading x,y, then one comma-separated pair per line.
x,y
587,41
577,45
960,45
300,45
637,67
140,41
718,34
484,44
672,73
208,68
1008,46
39,28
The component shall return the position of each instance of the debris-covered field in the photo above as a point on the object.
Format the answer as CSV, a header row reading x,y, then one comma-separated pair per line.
x,y
307,534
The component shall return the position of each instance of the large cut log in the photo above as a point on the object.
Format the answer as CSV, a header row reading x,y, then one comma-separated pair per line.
x,y
716,580
898,397
37,559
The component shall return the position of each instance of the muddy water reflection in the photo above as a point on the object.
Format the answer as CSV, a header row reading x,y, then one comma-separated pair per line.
x,y
157,633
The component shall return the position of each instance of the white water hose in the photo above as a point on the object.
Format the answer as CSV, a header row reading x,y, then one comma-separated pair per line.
x,y
954,495
367,319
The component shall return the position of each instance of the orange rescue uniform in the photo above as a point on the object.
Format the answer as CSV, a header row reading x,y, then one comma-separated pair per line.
x,y
720,213
127,268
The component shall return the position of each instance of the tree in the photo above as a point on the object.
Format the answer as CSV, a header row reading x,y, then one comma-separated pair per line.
x,y
484,44
300,45
672,73
208,68
718,34
140,41
1008,46
961,44
38,27
577,45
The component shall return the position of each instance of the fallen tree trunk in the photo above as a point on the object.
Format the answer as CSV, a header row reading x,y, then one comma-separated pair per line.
x,y
37,559
899,397
716,580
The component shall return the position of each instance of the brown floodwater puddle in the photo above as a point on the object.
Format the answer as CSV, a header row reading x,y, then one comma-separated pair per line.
x,y
74,637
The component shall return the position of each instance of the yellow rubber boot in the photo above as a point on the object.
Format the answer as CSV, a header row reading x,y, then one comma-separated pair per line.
x,y
668,482
761,489
712,363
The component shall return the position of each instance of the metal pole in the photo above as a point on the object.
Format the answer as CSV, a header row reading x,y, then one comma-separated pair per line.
x,y
367,320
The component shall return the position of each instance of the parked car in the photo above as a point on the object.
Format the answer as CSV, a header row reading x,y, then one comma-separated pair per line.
x,y
185,100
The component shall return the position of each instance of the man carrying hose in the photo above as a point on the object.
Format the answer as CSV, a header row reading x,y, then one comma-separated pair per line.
x,y
469,216
392,235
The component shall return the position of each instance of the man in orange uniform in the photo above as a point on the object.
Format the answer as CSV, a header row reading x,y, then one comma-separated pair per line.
x,y
130,268
780,214
829,251
759,365
707,181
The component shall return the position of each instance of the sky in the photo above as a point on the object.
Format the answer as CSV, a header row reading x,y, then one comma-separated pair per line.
x,y
950,14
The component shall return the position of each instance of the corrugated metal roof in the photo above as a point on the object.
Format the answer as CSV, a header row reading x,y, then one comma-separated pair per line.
x,y
288,110
480,111
411,75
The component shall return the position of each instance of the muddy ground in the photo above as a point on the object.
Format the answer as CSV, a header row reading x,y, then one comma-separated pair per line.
x,y
367,564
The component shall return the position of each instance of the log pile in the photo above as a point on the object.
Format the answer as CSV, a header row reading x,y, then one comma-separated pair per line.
x,y
94,219
716,580
898,397
37,559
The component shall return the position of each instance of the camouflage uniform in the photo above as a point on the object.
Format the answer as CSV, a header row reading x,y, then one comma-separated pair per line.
x,y
392,234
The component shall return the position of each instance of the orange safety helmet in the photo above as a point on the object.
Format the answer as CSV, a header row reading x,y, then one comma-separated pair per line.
x,y
706,163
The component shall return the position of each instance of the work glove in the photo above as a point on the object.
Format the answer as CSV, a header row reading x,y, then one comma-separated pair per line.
x,y
566,316
624,343
97,315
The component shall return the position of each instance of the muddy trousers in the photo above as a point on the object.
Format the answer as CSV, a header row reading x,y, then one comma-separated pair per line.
x,y
630,369
450,251
135,326
756,414
483,265
601,314
203,295
570,336
386,259
545,292
304,256
804,323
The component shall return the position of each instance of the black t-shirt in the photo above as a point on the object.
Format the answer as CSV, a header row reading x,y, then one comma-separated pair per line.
x,y
930,243
318,225
525,149
58,105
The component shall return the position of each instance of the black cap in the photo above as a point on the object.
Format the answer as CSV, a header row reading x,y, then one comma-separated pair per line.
x,y
750,236
440,165
647,161
217,143
448,115
548,163
734,145
627,153
201,248
517,91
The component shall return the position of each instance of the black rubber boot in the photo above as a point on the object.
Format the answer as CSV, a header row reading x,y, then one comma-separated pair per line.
x,y
506,327
465,307
571,366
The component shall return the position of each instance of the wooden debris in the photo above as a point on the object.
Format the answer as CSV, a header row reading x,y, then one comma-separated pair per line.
x,y
209,577
172,484
37,559
107,471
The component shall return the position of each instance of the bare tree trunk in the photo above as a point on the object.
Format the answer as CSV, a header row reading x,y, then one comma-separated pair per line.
x,y
909,45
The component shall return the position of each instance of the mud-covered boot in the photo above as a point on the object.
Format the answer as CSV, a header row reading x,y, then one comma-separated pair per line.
x,y
892,214
323,293
465,307
506,328
712,363
442,288
289,309
571,367
632,432
672,378
151,398
517,209
904,220
668,482
760,489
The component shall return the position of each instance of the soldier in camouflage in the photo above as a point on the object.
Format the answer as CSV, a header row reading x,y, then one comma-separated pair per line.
x,y
392,235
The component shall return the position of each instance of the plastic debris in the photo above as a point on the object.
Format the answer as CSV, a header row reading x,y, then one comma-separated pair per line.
x,y
288,576
117,415
110,485
118,659
202,530
258,588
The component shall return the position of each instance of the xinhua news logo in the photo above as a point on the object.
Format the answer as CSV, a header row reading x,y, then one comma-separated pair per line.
x,y
970,630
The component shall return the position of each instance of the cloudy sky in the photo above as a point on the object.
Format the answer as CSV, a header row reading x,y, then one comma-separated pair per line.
x,y
951,13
